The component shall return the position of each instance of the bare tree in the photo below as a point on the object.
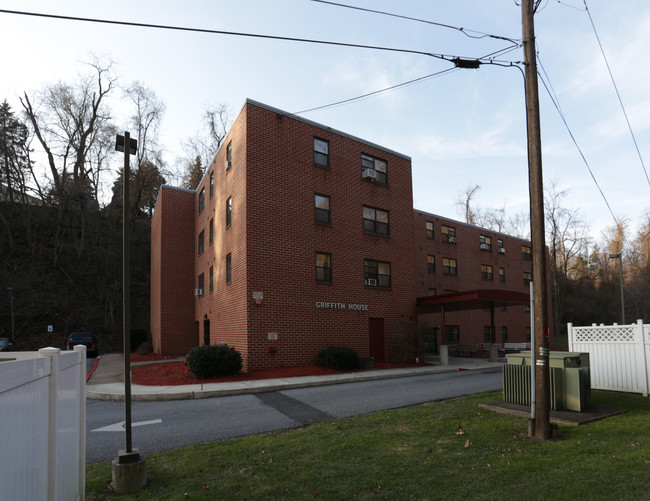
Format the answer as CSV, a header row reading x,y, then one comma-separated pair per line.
x,y
464,203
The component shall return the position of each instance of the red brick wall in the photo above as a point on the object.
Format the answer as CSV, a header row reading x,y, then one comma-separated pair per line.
x,y
470,257
173,328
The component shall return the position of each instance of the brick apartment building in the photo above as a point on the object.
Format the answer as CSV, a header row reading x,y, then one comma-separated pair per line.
x,y
301,237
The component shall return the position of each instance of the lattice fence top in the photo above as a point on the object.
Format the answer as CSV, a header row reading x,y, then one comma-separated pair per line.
x,y
609,334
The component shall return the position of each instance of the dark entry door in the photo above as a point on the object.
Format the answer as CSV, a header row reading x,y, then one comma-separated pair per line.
x,y
376,337
206,331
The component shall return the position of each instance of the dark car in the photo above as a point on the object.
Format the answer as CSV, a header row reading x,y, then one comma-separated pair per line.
x,y
7,344
85,338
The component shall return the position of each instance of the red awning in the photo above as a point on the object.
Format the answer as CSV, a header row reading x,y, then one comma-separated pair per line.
x,y
471,300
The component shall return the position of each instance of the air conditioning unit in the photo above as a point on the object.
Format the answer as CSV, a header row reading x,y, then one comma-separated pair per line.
x,y
198,292
502,250
227,165
371,281
485,247
451,240
369,174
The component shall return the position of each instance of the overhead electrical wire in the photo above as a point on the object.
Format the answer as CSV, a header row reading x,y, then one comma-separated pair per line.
x,y
618,95
222,32
479,34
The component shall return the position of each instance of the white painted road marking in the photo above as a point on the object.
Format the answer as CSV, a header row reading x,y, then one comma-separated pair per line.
x,y
120,426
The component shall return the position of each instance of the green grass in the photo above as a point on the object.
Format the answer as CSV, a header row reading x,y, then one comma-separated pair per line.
x,y
441,450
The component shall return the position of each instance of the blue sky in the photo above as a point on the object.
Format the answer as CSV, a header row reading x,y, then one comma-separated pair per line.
x,y
461,128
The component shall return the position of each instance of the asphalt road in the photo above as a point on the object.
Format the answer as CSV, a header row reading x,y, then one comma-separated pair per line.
x,y
158,426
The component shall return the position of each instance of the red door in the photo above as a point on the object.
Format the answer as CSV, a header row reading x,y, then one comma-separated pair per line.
x,y
376,337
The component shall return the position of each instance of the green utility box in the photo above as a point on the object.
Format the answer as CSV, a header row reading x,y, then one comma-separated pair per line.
x,y
569,380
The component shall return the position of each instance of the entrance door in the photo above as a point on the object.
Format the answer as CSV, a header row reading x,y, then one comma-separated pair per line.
x,y
376,338
206,331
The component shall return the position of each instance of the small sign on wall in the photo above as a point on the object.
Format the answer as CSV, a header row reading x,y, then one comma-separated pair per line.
x,y
273,336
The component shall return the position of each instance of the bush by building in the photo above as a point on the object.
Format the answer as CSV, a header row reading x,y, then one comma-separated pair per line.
x,y
338,357
210,361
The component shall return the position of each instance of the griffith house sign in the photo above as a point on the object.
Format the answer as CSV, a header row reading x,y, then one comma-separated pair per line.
x,y
326,305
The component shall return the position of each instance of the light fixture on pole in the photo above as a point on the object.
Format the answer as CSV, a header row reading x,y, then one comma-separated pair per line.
x,y
129,468
620,269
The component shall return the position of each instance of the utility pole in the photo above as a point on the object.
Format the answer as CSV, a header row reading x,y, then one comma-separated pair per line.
x,y
542,430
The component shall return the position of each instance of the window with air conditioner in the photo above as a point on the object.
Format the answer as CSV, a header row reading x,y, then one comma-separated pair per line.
x,y
374,168
485,243
376,273
448,234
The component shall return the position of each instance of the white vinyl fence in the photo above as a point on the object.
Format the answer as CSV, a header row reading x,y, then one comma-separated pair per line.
x,y
619,355
43,425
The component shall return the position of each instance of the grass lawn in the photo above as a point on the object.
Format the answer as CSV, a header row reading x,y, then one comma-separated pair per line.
x,y
440,450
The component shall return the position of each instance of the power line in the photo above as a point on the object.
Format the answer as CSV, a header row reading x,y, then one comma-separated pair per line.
x,y
479,34
618,95
381,91
221,32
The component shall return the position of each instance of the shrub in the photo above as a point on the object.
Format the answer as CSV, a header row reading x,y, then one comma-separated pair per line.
x,y
339,358
210,361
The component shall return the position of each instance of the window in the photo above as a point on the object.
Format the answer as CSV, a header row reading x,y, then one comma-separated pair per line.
x,y
429,230
502,275
448,234
528,334
228,211
375,220
322,208
373,168
201,284
526,253
376,273
486,272
432,292
211,183
201,243
485,243
211,237
501,249
452,333
228,268
229,156
323,267
449,266
431,264
211,278
528,278
487,334
321,153
201,200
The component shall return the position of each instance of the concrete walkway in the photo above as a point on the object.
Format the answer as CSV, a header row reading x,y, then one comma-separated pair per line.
x,y
107,380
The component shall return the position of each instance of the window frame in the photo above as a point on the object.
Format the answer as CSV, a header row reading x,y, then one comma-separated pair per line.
x,y
487,272
429,230
504,333
371,268
228,268
374,222
528,278
371,162
201,284
326,271
229,212
487,333
452,333
318,210
434,293
431,263
502,275
211,183
202,199
485,240
447,268
318,153
229,156
201,242
211,279
448,232
211,232
527,253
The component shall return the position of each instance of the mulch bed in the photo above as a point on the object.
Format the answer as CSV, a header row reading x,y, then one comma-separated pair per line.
x,y
176,373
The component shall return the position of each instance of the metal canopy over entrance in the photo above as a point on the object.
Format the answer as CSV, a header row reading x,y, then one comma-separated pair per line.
x,y
471,300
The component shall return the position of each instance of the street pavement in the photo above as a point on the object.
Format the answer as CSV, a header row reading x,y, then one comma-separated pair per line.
x,y
106,381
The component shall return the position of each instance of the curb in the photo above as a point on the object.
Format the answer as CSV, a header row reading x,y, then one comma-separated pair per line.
x,y
258,386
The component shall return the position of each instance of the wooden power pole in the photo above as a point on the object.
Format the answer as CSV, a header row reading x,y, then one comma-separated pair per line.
x,y
536,187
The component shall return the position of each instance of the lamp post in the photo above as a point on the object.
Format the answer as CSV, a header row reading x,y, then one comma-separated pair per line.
x,y
129,469
620,269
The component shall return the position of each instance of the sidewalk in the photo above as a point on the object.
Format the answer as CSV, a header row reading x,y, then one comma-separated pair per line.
x,y
107,382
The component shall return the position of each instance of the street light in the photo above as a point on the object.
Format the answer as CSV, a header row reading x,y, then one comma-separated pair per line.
x,y
620,269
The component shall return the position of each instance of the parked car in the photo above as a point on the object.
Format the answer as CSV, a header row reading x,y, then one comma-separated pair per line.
x,y
85,338
7,344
